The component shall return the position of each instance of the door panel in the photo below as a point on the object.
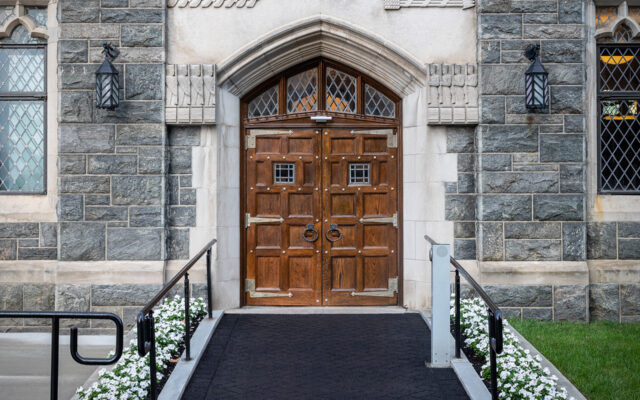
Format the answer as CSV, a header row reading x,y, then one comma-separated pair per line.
x,y
283,198
360,199
321,223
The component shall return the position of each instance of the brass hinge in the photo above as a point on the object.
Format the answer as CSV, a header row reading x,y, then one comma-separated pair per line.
x,y
393,288
248,220
392,140
385,220
250,287
250,143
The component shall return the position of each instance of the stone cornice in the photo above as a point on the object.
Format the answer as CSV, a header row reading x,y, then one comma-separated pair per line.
x,y
397,4
211,3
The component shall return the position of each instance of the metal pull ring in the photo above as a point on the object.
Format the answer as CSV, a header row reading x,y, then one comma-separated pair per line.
x,y
310,230
333,228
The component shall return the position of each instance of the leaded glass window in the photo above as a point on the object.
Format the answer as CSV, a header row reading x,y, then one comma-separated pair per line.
x,y
302,92
265,104
341,91
618,98
377,104
22,113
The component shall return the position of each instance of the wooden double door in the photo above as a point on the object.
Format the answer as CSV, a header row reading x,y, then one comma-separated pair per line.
x,y
321,217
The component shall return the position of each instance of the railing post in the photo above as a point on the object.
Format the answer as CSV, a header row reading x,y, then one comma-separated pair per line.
x,y
457,324
440,298
187,318
209,306
55,341
492,356
153,388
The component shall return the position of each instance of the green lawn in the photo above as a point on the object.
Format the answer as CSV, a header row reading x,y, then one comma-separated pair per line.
x,y
602,359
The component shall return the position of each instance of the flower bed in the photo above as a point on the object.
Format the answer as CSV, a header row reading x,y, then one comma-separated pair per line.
x,y
129,379
520,376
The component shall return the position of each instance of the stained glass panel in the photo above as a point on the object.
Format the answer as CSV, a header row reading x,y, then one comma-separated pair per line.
x,y
302,92
341,91
22,146
619,145
377,104
619,68
265,104
605,15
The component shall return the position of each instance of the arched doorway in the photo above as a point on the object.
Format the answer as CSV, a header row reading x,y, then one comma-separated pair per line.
x,y
321,189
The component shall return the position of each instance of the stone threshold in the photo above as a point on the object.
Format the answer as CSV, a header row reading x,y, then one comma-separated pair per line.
x,y
473,385
181,375
317,310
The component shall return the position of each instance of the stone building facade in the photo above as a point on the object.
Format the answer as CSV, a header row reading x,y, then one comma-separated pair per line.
x,y
128,195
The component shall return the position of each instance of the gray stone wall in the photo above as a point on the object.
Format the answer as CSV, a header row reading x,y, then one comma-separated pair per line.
x,y
531,165
29,241
112,164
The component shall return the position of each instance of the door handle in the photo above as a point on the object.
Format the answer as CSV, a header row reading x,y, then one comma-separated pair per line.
x,y
310,230
333,228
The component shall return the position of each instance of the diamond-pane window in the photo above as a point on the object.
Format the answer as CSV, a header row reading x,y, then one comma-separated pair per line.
x,y
341,91
619,68
302,92
6,12
358,174
22,113
22,146
265,104
284,173
377,104
38,15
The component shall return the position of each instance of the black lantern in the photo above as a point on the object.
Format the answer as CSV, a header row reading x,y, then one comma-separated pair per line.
x,y
536,81
107,80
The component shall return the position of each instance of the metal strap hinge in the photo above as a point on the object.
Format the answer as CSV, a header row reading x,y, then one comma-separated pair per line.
x,y
250,143
392,140
384,220
248,220
393,288
250,287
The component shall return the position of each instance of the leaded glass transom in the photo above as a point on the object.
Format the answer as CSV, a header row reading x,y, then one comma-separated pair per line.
x,y
302,92
358,174
6,12
341,91
22,146
284,173
38,15
265,104
21,35
605,15
22,69
619,68
377,104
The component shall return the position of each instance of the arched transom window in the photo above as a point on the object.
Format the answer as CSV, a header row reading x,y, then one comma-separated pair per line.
x,y
321,87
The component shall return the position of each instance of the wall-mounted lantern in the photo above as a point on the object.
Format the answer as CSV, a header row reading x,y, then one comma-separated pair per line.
x,y
107,80
536,81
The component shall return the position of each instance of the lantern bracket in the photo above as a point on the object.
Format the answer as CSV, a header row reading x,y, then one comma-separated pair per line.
x,y
110,52
532,52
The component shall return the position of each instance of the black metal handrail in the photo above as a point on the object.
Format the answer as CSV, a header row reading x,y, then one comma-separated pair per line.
x,y
146,323
495,319
55,317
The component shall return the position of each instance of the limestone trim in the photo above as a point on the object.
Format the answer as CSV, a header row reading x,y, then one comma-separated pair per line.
x,y
453,94
21,18
211,3
321,36
190,94
621,18
533,273
397,4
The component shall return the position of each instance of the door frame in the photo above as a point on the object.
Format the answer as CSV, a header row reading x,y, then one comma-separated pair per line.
x,y
303,120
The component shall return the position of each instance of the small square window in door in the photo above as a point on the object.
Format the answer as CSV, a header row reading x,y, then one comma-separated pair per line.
x,y
284,173
359,174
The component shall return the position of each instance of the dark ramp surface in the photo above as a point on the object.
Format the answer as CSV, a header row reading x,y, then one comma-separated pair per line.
x,y
373,356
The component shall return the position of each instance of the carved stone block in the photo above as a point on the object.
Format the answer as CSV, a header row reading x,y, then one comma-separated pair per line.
x,y
397,4
190,94
452,94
